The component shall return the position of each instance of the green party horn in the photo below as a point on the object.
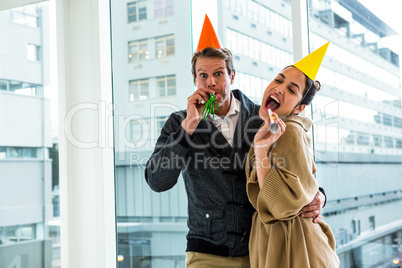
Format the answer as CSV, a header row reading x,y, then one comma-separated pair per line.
x,y
209,107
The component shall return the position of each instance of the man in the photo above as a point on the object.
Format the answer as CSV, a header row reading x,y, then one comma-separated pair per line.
x,y
211,156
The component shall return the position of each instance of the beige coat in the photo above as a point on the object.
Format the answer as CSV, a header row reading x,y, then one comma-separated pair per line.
x,y
279,236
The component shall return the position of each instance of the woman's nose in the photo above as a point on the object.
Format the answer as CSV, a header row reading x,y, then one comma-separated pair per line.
x,y
280,90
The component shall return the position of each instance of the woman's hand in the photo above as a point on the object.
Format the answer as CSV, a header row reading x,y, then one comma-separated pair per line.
x,y
262,141
264,137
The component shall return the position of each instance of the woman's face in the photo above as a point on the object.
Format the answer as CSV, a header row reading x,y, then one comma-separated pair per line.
x,y
284,93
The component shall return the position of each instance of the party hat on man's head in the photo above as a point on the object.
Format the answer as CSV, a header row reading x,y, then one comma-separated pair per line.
x,y
208,37
310,64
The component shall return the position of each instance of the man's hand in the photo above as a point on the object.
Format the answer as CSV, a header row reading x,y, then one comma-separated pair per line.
x,y
313,210
195,103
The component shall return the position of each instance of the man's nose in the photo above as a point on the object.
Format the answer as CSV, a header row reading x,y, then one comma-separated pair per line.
x,y
211,82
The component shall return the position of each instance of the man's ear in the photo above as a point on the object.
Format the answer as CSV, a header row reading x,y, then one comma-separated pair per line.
x,y
232,76
194,81
299,108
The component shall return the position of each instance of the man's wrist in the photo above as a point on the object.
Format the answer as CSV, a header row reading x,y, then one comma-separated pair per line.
x,y
188,127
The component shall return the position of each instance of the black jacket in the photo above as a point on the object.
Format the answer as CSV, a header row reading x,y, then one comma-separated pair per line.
x,y
219,213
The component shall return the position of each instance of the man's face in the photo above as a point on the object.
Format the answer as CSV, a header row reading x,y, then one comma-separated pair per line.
x,y
212,73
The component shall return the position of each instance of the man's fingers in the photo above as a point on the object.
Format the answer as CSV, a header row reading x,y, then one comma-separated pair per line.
x,y
310,214
317,219
309,208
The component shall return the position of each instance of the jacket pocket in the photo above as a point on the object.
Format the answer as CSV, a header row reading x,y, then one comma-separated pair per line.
x,y
207,222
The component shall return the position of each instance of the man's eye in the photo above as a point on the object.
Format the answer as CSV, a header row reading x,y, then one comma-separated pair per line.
x,y
218,73
203,75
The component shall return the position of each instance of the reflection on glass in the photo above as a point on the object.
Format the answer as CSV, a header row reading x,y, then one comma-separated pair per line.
x,y
29,233
357,129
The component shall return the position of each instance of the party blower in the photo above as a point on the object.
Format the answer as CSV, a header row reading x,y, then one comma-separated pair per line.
x,y
274,125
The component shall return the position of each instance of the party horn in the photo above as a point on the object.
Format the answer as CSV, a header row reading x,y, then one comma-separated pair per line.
x,y
274,126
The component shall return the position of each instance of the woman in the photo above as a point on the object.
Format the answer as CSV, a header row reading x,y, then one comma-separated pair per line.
x,y
280,181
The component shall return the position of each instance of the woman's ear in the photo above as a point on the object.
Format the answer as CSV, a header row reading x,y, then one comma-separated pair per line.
x,y
299,108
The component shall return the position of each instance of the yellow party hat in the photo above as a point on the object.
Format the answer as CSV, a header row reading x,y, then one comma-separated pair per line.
x,y
310,64
208,37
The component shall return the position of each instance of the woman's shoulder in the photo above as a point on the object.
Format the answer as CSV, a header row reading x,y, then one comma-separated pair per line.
x,y
297,123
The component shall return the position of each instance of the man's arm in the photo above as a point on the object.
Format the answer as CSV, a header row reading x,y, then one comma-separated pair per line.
x,y
164,166
313,210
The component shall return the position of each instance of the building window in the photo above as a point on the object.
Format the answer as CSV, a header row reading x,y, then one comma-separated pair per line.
x,y
377,141
389,143
3,152
164,46
3,85
139,90
372,223
19,152
166,86
15,152
22,88
387,120
362,139
397,121
139,131
137,11
27,15
138,50
160,122
33,52
398,143
163,8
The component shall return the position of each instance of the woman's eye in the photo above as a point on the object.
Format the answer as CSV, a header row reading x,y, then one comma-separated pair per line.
x,y
291,91
277,80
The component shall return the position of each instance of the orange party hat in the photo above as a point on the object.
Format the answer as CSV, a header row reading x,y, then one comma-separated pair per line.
x,y
208,37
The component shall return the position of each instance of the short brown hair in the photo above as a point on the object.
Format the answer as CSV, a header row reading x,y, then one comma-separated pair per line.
x,y
212,52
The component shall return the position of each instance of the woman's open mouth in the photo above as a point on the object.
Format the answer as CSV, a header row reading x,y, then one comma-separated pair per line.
x,y
272,103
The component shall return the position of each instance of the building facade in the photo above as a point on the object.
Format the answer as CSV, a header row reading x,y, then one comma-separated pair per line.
x,y
25,167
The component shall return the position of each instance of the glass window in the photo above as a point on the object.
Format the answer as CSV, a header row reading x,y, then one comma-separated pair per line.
x,y
163,8
27,15
28,176
137,11
139,90
3,152
377,141
164,46
33,52
139,131
364,82
138,50
356,136
3,85
166,86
